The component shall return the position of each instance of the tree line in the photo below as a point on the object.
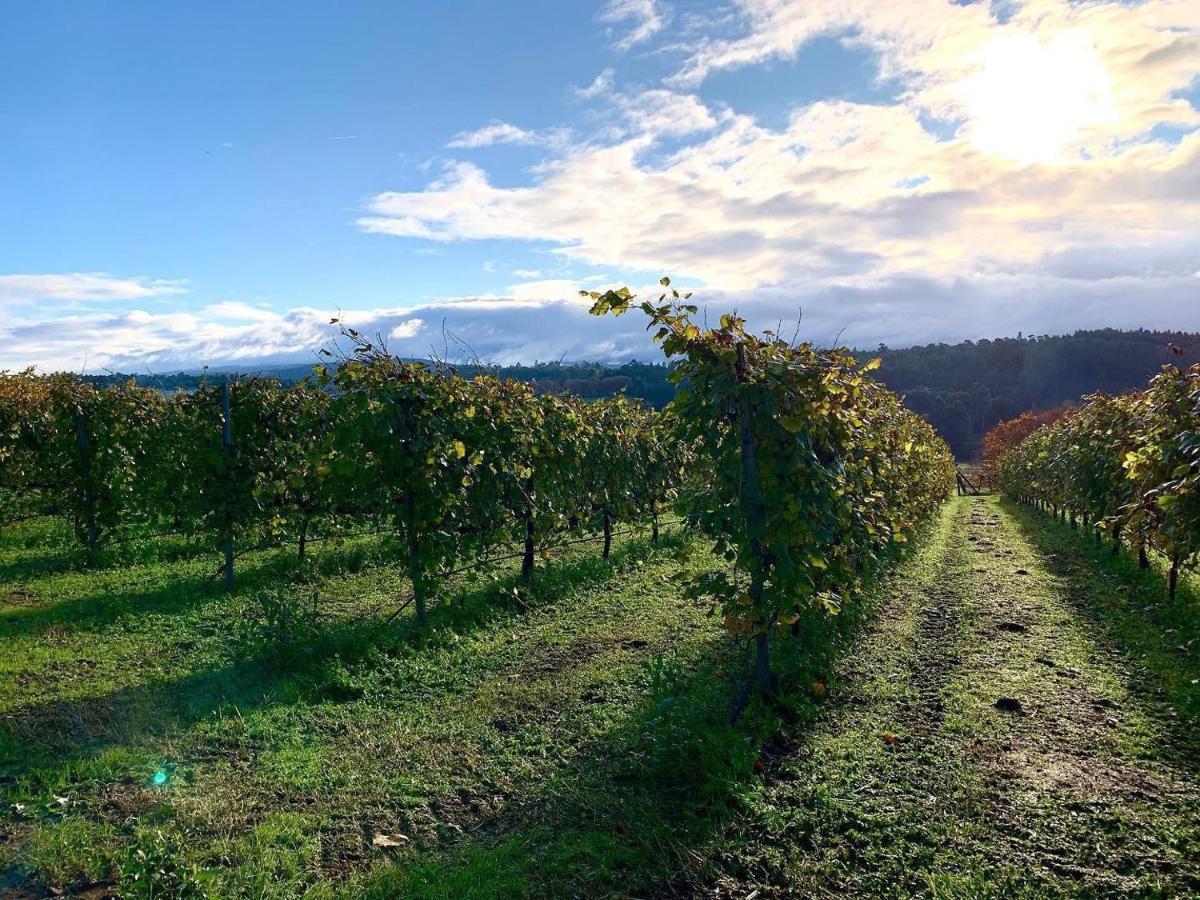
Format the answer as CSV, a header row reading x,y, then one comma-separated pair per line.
x,y
964,389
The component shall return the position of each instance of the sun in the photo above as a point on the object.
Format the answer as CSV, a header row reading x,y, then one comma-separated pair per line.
x,y
1032,100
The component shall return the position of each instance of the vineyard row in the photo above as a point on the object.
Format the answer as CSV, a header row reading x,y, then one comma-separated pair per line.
x,y
1127,465
453,467
800,468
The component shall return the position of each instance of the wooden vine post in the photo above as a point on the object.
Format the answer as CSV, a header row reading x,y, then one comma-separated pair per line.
x,y
753,513
89,494
227,447
527,557
303,533
415,572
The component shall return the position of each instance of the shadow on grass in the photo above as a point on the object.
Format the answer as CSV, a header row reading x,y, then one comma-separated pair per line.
x,y
38,547
637,810
44,742
641,808
174,592
1128,603
171,594
177,593
64,556
47,547
643,811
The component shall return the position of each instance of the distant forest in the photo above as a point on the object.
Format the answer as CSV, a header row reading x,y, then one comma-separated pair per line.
x,y
647,381
963,389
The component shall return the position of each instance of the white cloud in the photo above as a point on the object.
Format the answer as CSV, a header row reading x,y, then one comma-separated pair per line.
x,y
504,330
140,340
748,206
661,112
83,286
648,18
546,289
236,311
546,321
600,86
1049,207
406,329
1051,183
507,133
940,50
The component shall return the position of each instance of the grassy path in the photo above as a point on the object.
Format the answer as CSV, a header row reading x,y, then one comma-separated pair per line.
x,y
983,741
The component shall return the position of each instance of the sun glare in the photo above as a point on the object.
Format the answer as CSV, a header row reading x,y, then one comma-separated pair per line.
x,y
1032,100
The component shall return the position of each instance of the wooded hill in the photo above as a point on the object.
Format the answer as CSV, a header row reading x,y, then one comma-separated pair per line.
x,y
965,389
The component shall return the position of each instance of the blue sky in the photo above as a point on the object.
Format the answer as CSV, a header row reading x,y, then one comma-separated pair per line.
x,y
207,183
232,144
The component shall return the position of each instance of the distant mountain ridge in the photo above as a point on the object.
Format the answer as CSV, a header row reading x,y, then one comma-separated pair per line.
x,y
963,389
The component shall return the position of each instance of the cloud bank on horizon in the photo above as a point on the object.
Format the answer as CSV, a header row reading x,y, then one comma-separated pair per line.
x,y
1025,166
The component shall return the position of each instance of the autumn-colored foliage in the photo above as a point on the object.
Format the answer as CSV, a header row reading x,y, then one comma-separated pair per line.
x,y
1008,434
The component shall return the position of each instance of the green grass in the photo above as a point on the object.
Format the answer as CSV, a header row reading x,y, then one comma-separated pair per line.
x,y
283,764
572,737
1129,605
916,784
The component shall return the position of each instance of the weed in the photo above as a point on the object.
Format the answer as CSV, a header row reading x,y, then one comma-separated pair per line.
x,y
157,867
71,852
